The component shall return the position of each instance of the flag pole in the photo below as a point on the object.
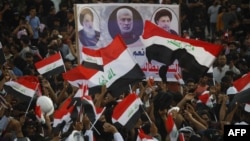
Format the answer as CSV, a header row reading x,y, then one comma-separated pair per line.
x,y
83,91
97,118
93,125
30,101
28,107
130,88
81,109
147,115
63,62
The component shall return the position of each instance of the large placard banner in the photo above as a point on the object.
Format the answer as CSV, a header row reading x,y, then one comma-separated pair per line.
x,y
98,24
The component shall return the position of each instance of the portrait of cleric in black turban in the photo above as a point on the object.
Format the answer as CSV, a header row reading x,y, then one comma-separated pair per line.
x,y
127,22
164,19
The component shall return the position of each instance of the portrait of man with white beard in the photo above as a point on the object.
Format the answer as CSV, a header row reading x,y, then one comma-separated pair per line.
x,y
88,36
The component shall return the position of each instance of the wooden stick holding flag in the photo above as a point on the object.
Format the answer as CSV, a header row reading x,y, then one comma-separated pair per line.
x,y
87,106
98,115
27,110
95,128
145,112
84,92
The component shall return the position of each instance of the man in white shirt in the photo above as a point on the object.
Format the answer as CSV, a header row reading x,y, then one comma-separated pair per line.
x,y
222,67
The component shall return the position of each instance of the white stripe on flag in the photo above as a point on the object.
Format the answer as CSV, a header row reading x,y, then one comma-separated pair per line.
x,y
129,112
96,80
56,122
21,88
91,59
50,66
242,83
111,68
201,55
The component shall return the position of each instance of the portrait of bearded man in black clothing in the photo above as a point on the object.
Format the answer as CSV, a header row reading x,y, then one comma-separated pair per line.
x,y
126,22
163,19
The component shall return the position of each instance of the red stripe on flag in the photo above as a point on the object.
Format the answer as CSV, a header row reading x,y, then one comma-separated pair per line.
x,y
28,84
181,137
38,111
152,29
204,98
171,128
143,137
242,83
123,105
49,60
91,52
66,103
79,72
170,123
113,50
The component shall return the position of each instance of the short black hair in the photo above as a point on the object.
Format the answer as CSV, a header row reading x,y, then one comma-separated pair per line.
x,y
190,80
32,7
25,39
29,54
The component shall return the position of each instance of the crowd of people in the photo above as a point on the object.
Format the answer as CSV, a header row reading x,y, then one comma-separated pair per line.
x,y
33,30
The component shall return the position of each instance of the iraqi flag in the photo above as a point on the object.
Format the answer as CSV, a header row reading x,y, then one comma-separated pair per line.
x,y
21,88
181,137
80,74
206,99
194,56
62,116
33,79
240,97
242,83
77,99
52,65
81,92
91,58
120,67
127,112
171,128
39,114
144,137
89,108
243,87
